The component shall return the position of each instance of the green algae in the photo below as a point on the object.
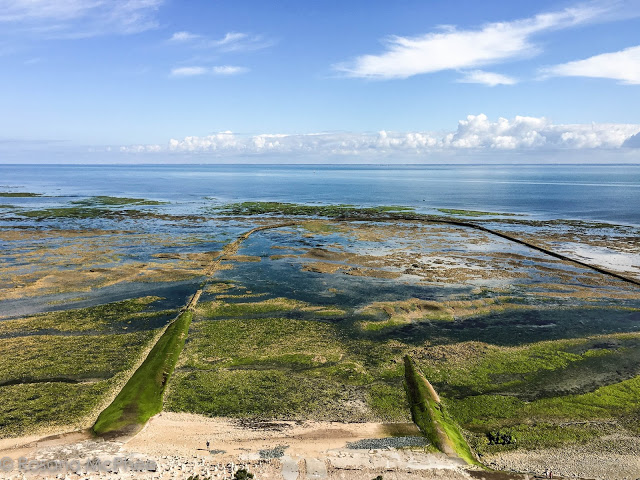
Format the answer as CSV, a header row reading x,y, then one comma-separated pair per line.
x,y
19,194
57,367
550,422
82,213
537,370
220,309
259,394
141,397
59,380
295,209
65,212
537,390
93,207
28,408
115,316
472,213
37,358
432,416
319,227
237,357
104,200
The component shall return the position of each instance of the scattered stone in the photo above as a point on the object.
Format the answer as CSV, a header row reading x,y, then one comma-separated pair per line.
x,y
275,452
389,442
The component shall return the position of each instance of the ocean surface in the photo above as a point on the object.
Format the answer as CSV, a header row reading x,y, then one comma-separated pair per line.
x,y
590,192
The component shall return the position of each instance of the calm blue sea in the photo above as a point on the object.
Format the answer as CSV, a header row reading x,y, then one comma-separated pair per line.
x,y
592,192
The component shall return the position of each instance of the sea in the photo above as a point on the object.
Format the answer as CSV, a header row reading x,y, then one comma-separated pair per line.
x,y
609,193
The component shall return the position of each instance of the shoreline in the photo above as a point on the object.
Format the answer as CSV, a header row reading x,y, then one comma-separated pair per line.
x,y
287,450
291,450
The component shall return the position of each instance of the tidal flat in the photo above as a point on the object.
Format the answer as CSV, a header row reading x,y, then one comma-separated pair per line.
x,y
310,317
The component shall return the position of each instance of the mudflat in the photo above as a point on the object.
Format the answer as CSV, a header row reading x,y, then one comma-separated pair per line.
x,y
300,323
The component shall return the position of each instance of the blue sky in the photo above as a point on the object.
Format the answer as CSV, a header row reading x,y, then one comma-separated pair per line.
x,y
162,80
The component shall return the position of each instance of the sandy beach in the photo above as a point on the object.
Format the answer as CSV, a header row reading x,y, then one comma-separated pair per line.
x,y
174,446
177,444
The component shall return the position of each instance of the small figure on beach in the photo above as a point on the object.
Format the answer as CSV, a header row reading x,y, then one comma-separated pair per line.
x,y
208,444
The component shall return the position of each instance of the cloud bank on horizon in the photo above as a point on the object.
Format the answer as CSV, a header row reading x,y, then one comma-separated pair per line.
x,y
475,133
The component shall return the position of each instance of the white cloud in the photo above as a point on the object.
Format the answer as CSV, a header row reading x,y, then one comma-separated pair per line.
x,y
79,18
188,71
230,42
179,37
140,149
475,133
230,38
29,10
490,79
229,70
226,70
238,41
623,66
451,48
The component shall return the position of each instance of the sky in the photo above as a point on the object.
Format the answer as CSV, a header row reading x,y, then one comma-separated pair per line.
x,y
155,81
